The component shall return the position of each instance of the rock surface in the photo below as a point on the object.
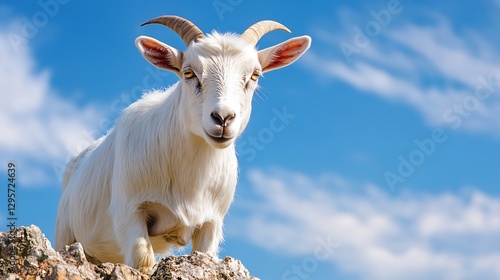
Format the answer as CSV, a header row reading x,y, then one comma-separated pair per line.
x,y
25,253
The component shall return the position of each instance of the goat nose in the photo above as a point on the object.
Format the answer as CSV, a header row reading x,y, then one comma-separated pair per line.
x,y
222,120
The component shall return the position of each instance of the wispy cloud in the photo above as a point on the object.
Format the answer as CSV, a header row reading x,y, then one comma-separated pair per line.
x,y
444,74
38,126
411,236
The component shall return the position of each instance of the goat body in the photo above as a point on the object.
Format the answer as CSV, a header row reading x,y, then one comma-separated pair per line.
x,y
166,173
179,189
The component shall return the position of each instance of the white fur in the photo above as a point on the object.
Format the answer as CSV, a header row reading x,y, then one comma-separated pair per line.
x,y
159,164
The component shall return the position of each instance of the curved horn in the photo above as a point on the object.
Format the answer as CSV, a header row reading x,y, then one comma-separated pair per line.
x,y
253,34
183,27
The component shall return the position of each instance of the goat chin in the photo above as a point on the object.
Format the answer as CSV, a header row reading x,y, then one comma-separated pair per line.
x,y
158,179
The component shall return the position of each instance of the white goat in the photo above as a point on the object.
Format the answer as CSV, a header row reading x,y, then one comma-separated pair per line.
x,y
166,173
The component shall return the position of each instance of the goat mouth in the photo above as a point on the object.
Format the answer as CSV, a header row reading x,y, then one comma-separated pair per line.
x,y
218,139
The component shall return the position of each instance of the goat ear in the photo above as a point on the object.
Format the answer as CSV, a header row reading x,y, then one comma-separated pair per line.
x,y
283,54
159,54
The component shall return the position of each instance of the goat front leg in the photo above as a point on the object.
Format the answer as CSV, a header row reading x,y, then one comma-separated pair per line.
x,y
207,237
132,236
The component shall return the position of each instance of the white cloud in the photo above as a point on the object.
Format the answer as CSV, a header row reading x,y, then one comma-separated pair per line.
x,y
431,68
410,236
38,126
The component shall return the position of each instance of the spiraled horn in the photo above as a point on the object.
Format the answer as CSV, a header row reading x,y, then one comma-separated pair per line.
x,y
183,27
253,34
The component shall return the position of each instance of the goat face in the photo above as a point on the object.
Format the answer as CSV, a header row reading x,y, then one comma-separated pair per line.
x,y
219,73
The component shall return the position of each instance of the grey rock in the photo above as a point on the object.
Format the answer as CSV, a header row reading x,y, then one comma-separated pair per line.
x,y
200,266
25,253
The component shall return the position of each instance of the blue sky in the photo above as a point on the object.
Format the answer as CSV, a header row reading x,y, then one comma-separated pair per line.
x,y
387,167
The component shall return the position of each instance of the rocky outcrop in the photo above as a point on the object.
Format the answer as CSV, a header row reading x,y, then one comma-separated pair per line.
x,y
25,253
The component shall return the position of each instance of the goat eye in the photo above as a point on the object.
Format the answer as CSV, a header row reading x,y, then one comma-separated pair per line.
x,y
188,74
255,75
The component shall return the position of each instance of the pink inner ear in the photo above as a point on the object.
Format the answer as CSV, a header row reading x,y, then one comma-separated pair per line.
x,y
286,54
290,50
157,54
